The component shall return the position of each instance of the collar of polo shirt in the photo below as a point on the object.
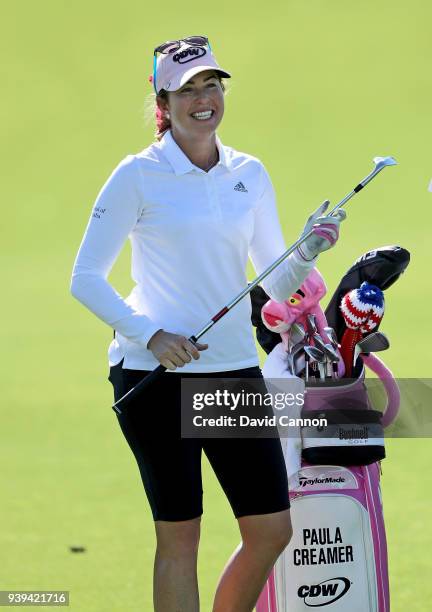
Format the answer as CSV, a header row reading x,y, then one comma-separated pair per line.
x,y
180,162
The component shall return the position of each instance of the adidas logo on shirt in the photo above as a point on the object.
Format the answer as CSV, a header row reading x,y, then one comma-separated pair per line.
x,y
240,187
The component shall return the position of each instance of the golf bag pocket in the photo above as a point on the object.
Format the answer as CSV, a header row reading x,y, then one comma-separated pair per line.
x,y
348,437
353,433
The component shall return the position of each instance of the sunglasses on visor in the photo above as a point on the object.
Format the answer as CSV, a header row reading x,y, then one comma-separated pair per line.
x,y
171,46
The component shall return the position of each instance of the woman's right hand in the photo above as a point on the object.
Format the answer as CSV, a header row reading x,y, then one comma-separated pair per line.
x,y
172,350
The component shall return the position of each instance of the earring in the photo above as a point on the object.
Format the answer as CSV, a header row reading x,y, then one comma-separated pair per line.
x,y
167,115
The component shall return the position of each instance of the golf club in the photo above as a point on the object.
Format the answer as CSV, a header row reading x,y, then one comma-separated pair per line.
x,y
317,356
380,164
331,335
292,356
373,343
311,323
299,362
297,332
334,370
311,329
331,355
296,335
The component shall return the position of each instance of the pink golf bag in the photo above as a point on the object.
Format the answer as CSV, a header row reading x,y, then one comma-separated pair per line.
x,y
337,557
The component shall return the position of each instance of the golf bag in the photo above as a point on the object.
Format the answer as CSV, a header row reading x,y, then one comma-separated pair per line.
x,y
337,557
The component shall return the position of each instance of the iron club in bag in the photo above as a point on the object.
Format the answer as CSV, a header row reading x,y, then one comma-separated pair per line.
x,y
373,343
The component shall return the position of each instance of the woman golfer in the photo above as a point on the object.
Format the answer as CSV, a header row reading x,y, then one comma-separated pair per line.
x,y
194,210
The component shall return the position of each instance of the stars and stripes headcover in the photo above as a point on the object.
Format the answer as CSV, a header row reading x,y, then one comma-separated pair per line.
x,y
363,308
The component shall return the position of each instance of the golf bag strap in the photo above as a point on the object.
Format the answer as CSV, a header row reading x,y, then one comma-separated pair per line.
x,y
377,366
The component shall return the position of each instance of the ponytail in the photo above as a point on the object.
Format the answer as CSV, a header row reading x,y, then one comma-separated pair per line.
x,y
163,123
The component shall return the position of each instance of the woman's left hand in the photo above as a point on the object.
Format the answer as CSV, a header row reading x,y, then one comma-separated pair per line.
x,y
325,232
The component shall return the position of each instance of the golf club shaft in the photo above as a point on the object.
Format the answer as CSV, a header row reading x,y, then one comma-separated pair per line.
x,y
121,403
358,188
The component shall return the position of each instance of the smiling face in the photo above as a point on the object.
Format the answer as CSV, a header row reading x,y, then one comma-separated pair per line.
x,y
196,108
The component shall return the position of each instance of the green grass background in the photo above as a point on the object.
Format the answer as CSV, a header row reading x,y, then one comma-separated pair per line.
x,y
320,87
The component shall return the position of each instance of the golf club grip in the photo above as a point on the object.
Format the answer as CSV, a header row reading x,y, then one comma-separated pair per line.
x,y
123,402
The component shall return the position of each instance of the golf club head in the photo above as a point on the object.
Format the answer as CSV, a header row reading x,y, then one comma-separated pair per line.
x,y
331,353
297,333
373,343
331,335
311,322
381,162
290,363
299,363
299,328
327,349
314,354
291,355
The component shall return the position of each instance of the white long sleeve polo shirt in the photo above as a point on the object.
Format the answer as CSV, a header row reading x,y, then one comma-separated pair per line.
x,y
191,233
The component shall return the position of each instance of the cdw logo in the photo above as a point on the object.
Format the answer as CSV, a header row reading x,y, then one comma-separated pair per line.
x,y
187,55
324,593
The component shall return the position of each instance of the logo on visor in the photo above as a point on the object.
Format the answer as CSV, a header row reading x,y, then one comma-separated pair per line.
x,y
189,54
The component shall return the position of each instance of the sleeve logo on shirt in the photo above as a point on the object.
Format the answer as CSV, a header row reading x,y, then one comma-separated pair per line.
x,y
240,187
97,212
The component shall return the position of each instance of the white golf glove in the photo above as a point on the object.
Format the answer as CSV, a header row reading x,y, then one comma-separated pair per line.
x,y
325,232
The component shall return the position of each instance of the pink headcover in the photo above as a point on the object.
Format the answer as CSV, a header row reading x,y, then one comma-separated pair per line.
x,y
279,316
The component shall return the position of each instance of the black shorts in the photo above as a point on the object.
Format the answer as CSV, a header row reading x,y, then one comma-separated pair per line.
x,y
251,471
